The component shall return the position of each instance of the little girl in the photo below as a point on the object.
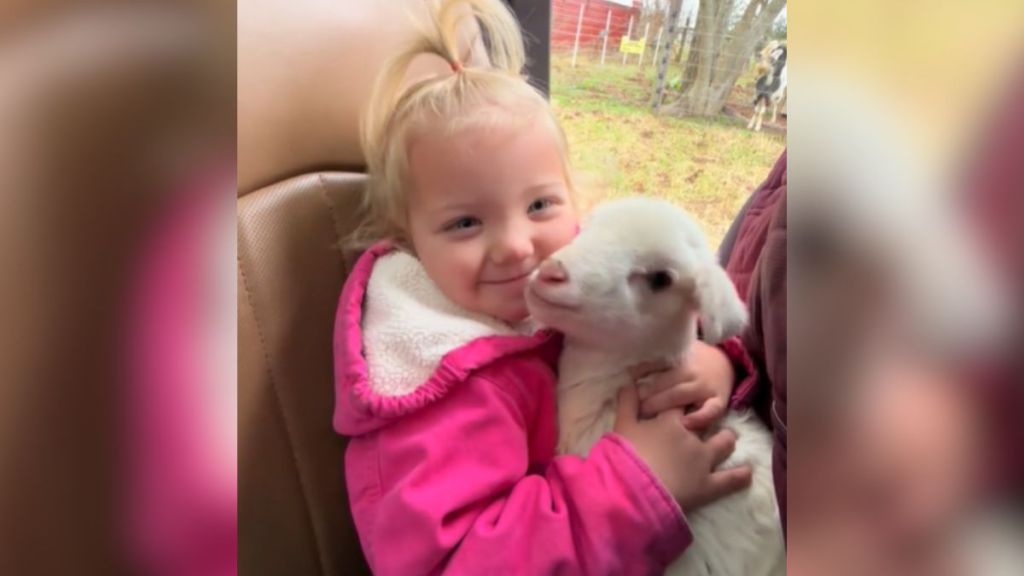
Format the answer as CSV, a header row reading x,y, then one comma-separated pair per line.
x,y
447,392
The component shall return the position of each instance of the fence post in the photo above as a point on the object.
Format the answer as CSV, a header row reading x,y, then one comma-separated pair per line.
x,y
682,39
576,44
659,83
629,34
657,44
607,31
647,28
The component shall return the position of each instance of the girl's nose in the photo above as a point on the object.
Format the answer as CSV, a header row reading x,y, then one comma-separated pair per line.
x,y
512,247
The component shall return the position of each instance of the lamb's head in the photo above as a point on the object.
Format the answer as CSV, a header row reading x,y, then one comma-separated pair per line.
x,y
639,271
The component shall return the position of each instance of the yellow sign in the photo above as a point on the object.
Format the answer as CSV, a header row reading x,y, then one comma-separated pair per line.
x,y
632,46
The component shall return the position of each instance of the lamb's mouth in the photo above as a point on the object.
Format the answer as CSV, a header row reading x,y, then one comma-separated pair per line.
x,y
532,292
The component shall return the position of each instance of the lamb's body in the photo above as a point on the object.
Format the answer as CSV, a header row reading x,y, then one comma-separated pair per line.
x,y
740,534
737,535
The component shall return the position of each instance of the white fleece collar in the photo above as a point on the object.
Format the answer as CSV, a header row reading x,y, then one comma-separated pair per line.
x,y
409,325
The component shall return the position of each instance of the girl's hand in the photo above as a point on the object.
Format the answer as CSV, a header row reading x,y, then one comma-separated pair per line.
x,y
685,463
700,384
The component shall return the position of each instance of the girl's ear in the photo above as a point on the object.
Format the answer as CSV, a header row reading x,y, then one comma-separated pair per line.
x,y
722,312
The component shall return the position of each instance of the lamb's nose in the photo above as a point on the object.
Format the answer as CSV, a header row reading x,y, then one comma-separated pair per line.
x,y
552,272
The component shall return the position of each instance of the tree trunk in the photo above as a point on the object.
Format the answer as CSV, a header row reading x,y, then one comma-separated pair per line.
x,y
678,58
720,53
663,50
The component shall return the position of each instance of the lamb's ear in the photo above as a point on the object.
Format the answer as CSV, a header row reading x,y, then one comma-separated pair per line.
x,y
722,312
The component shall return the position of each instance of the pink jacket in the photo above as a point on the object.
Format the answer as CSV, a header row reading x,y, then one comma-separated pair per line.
x,y
452,468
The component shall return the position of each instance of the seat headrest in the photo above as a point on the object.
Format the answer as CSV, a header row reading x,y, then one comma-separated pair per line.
x,y
305,71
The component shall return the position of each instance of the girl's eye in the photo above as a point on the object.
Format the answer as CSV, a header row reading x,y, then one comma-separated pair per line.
x,y
464,223
539,205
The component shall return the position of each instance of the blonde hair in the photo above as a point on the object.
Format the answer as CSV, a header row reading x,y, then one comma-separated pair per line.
x,y
457,100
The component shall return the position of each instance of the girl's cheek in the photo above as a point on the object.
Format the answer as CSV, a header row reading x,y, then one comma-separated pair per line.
x,y
561,234
575,227
562,239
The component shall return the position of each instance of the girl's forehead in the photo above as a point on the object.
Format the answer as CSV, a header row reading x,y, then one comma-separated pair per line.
x,y
473,147
484,123
476,164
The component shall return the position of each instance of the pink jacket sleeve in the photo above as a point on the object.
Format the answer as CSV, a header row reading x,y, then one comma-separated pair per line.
x,y
450,489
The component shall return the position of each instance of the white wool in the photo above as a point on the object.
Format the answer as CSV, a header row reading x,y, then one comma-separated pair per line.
x,y
618,320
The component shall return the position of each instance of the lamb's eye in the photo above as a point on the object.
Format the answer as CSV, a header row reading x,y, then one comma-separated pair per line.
x,y
659,280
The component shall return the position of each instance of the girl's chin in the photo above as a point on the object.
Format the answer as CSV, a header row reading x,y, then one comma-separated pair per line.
x,y
510,312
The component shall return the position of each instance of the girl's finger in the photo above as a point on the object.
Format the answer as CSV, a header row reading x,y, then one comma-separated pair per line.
x,y
710,412
678,396
724,482
645,369
659,381
721,445
654,383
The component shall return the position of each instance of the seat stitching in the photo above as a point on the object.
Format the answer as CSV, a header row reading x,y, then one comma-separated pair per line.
x,y
278,405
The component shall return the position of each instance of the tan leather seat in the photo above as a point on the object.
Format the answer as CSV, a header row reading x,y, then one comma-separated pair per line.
x,y
305,70
292,510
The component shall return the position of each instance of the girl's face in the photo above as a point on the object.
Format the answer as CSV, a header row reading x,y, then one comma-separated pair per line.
x,y
486,206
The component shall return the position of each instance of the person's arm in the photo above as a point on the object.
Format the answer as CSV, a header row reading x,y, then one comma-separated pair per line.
x,y
744,377
449,490
729,241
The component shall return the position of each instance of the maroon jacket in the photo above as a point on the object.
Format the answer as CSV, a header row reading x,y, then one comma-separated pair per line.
x,y
994,188
754,255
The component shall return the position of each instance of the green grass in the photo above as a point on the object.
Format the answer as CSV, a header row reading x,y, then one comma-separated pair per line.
x,y
706,165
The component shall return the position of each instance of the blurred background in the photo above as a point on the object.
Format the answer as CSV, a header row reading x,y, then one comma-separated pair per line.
x,y
117,125
904,280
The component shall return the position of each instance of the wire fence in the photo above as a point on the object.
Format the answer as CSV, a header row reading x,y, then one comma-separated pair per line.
x,y
589,34
603,94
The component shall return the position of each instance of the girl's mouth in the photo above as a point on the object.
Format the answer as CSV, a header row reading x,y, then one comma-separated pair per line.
x,y
509,280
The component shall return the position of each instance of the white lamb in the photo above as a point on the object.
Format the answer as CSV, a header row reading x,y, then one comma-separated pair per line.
x,y
629,289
